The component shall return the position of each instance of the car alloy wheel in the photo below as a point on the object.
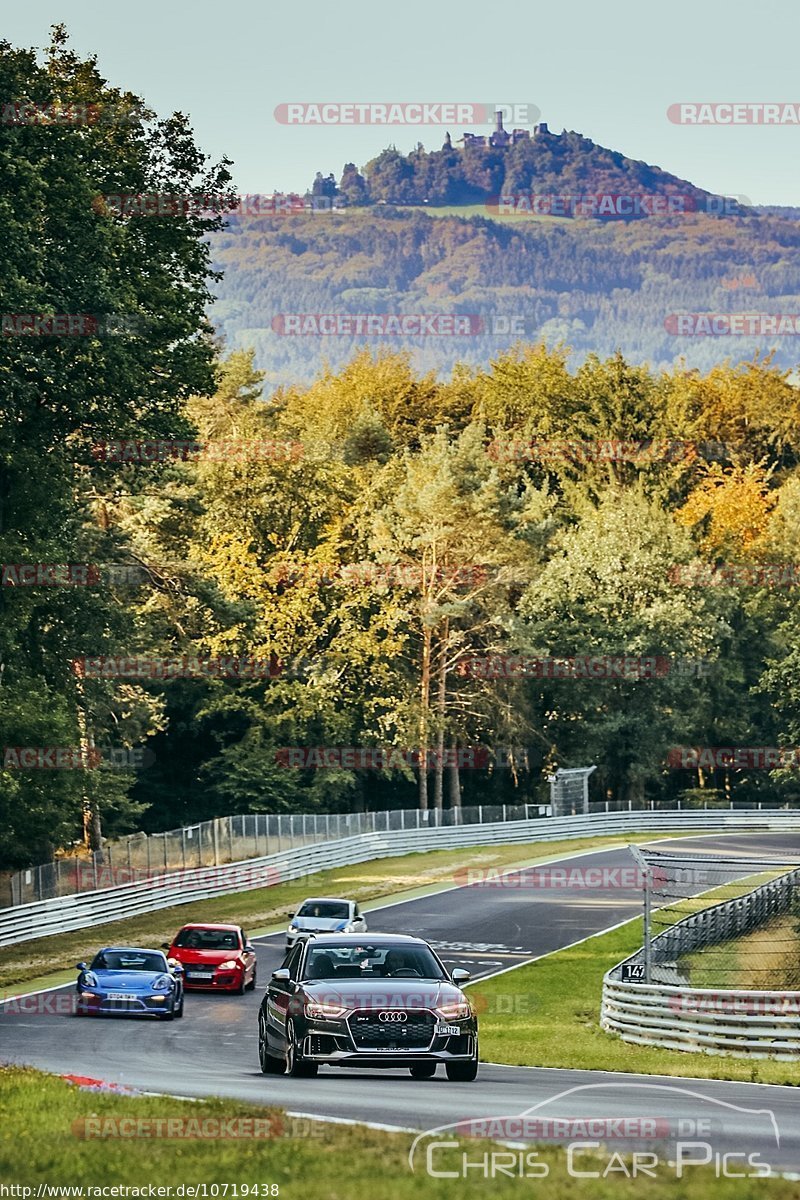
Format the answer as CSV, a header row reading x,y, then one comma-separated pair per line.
x,y
269,1065
295,1063
179,1010
252,984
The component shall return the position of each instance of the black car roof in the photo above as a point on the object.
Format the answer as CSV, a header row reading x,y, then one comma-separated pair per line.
x,y
361,939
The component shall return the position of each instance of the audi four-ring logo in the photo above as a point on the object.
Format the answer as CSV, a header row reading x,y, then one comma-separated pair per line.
x,y
386,1017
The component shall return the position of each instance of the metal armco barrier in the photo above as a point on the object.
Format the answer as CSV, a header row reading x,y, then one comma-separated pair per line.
x,y
739,1024
64,913
672,1015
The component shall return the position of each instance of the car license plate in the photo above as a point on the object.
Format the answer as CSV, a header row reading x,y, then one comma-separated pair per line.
x,y
201,974
448,1030
118,996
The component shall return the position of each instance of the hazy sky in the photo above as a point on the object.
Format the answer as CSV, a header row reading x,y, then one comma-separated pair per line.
x,y
609,71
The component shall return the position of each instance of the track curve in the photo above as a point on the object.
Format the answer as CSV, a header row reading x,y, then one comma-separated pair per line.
x,y
213,1051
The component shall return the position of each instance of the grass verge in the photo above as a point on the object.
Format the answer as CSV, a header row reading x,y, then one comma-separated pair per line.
x,y
44,1117
547,1014
768,959
263,908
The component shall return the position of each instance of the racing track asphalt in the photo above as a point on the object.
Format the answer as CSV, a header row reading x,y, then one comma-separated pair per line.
x,y
213,1050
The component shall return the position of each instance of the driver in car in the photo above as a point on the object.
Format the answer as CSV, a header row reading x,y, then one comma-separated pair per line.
x,y
399,963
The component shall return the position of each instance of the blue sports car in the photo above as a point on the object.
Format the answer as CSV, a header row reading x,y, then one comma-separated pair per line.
x,y
128,980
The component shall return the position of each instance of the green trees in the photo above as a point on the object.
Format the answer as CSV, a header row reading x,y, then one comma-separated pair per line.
x,y
605,592
131,293
597,288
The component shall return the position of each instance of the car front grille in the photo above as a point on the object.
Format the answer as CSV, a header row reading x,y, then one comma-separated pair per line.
x,y
370,1033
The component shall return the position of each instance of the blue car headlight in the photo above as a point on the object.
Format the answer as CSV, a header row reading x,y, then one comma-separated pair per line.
x,y
162,984
89,979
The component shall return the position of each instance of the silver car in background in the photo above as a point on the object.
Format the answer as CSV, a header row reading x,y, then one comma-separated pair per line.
x,y
324,914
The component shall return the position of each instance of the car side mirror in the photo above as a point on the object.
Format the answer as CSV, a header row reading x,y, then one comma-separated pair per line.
x,y
249,946
81,967
175,966
281,975
459,975
165,945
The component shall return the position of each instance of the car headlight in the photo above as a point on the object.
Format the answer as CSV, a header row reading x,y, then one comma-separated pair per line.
x,y
162,984
293,926
89,979
325,1012
455,1011
229,965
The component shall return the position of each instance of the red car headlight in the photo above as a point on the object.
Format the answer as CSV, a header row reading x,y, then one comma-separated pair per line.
x,y
230,964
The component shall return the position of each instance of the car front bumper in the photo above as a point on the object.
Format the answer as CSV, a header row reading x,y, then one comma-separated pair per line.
x,y
332,1042
131,1006
225,981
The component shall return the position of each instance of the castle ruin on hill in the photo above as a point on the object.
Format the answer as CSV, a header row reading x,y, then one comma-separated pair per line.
x,y
500,138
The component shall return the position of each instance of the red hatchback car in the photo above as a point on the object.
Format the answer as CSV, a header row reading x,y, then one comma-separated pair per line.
x,y
216,958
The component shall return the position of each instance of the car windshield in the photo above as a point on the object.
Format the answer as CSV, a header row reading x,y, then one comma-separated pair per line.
x,y
207,939
372,961
328,910
129,960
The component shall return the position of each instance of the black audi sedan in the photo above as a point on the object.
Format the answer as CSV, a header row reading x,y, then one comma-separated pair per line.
x,y
367,1000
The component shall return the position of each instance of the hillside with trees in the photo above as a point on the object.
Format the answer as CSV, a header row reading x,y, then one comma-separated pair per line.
x,y
596,286
544,164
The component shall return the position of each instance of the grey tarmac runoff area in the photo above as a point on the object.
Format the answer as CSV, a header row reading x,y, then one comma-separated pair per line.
x,y
213,1050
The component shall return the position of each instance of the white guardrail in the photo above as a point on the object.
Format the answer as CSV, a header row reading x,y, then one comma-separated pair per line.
x,y
734,1023
670,1014
64,913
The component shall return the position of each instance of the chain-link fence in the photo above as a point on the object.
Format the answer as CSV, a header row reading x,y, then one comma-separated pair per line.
x,y
729,922
569,790
232,839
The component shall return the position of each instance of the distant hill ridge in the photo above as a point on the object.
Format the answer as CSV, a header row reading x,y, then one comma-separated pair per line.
x,y
564,174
